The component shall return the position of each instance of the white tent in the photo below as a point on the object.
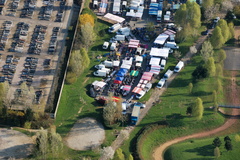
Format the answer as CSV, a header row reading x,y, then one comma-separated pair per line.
x,y
116,63
120,37
155,61
126,66
115,18
161,39
139,58
98,84
133,43
159,52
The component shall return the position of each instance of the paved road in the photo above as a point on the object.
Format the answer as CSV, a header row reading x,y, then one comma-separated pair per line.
x,y
233,54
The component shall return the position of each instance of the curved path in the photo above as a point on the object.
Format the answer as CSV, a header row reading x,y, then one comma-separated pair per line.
x,y
158,153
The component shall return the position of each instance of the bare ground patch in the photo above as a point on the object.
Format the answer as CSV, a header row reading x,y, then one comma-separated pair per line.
x,y
86,134
14,144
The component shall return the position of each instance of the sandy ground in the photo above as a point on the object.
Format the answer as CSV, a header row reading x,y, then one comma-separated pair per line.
x,y
158,153
86,134
14,144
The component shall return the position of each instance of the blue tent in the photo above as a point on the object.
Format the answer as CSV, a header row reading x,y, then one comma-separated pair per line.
x,y
120,78
124,70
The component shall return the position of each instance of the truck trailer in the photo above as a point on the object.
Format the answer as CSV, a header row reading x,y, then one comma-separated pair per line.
x,y
135,114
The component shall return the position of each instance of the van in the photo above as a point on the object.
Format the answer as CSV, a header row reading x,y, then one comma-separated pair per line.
x,y
163,63
161,83
105,45
171,45
179,66
168,74
100,73
113,46
124,31
114,28
148,87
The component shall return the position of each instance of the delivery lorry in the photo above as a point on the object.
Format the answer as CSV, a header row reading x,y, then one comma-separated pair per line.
x,y
102,72
114,28
161,83
113,46
179,66
105,64
105,45
171,45
168,74
135,114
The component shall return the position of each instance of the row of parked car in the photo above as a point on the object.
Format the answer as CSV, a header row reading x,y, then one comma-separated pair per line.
x,y
29,70
60,14
37,40
12,8
28,9
45,12
9,68
19,37
5,33
53,41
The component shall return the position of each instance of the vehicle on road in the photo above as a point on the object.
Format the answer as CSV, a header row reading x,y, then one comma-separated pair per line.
x,y
135,114
179,66
161,83
168,74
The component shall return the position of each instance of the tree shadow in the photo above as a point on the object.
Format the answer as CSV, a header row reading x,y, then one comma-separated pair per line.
x,y
206,150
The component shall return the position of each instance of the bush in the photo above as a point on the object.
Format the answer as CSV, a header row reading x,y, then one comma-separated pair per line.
x,y
27,125
71,78
102,33
90,12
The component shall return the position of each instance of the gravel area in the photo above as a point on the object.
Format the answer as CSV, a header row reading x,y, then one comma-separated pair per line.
x,y
14,144
86,134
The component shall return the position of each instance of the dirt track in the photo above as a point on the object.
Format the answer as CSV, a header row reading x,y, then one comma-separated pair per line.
x,y
158,153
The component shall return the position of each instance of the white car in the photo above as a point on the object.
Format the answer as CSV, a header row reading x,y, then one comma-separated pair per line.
x,y
141,94
161,83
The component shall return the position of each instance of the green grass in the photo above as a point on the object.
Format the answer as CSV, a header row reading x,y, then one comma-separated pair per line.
x,y
28,133
202,149
173,109
70,103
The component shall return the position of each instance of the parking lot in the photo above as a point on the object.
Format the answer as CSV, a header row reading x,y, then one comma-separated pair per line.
x,y
30,46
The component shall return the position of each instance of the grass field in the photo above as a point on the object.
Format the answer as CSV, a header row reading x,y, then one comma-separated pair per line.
x,y
202,149
173,109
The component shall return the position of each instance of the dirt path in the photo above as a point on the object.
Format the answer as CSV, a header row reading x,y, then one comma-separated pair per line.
x,y
158,153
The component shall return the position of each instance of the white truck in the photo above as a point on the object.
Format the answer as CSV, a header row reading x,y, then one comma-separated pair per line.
x,y
102,72
105,64
114,28
124,31
171,45
168,74
113,46
179,66
159,16
162,64
105,45
161,83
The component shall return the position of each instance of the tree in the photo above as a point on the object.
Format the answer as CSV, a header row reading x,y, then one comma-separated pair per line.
x,y
197,109
4,87
76,65
193,49
221,55
180,15
87,35
130,157
42,143
193,14
218,1
190,87
231,30
85,58
86,18
189,111
219,69
207,3
227,138
217,39
200,72
107,152
210,66
210,12
177,54
219,86
185,32
207,51
55,141
224,29
228,145
217,142
119,155
227,6
71,77
215,103
217,152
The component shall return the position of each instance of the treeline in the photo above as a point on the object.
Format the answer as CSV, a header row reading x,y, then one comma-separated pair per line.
x,y
85,37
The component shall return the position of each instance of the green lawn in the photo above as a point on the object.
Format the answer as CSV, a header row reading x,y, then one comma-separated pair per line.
x,y
202,149
173,109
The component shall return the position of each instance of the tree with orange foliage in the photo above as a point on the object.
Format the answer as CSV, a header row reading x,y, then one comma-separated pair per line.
x,y
86,18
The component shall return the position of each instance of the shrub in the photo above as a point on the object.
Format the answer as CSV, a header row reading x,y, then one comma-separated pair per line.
x,y
71,78
27,125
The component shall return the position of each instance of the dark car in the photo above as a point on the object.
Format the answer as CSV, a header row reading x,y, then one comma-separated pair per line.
x,y
206,32
92,93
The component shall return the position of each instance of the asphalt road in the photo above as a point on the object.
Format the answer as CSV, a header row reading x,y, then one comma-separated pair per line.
x,y
233,57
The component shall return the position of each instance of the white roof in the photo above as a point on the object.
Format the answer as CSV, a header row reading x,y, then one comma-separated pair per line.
x,y
138,64
116,8
133,43
159,52
155,61
126,66
161,39
114,18
120,37
128,62
139,58
116,63
98,84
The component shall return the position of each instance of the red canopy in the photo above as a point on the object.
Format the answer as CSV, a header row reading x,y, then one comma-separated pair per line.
x,y
147,76
117,82
137,90
126,88
115,99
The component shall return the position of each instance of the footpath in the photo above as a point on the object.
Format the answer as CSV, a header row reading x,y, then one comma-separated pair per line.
x,y
154,98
